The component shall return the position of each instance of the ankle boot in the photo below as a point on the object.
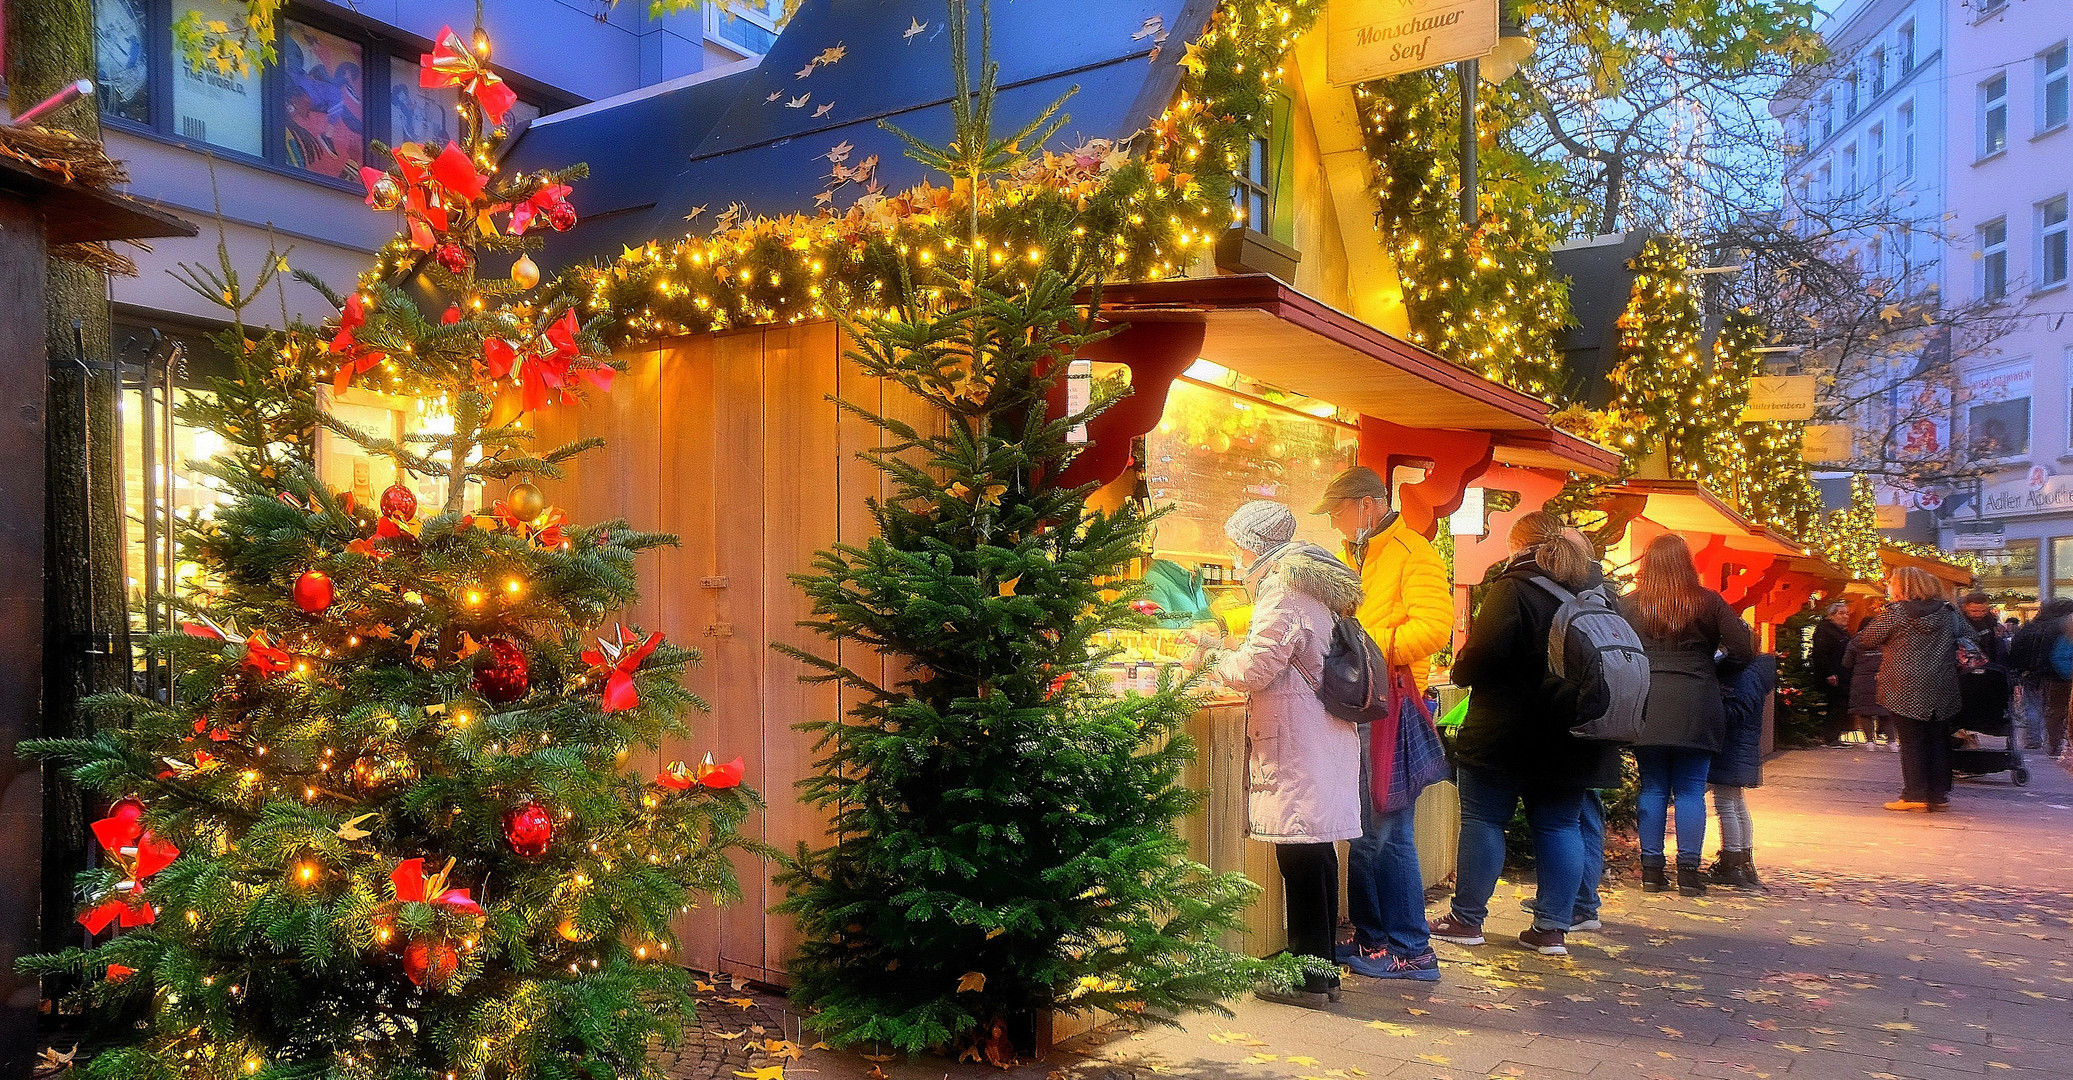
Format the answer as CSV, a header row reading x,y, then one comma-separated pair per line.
x,y
1746,867
1726,870
1689,882
1653,878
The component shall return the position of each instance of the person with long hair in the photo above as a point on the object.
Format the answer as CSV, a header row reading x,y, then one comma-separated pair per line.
x,y
1515,744
1683,626
1918,682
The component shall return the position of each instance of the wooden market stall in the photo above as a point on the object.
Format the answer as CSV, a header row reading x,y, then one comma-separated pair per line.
x,y
732,441
1956,578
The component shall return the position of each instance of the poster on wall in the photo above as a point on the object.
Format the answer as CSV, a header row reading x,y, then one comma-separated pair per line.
x,y
420,114
1369,39
121,72
324,92
216,103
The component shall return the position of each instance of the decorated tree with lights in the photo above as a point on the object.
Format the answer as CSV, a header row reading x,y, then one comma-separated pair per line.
x,y
1660,374
1003,836
385,829
1758,466
1485,296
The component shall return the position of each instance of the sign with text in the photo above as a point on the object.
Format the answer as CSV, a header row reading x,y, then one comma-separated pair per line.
x,y
1889,516
1992,538
1826,443
1780,397
1369,39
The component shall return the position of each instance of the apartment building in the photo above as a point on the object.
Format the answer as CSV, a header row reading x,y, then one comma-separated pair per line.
x,y
2008,176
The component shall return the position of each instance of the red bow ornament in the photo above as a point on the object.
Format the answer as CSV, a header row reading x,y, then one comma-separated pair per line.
x,y
543,368
344,343
454,171
413,887
266,658
542,203
707,774
621,659
132,848
450,63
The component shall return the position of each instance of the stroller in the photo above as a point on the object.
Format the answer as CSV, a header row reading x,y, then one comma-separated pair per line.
x,y
1985,694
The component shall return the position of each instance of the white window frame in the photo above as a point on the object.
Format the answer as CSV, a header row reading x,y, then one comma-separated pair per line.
x,y
1851,187
1878,73
1987,374
2054,84
1987,253
1904,119
1875,154
1850,97
1825,111
1904,43
2052,244
1991,103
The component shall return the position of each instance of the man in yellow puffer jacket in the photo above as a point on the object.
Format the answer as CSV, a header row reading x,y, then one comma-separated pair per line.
x,y
1407,606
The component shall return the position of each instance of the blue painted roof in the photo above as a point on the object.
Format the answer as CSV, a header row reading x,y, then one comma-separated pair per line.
x,y
656,159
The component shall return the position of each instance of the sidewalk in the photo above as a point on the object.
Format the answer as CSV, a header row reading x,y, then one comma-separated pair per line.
x,y
1890,947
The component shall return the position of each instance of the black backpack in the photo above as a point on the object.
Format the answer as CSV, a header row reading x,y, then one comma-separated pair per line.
x,y
1593,648
1354,685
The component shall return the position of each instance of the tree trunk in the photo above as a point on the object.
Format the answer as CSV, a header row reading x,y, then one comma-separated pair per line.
x,y
85,622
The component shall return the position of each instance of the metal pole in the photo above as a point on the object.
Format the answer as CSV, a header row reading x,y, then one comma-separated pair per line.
x,y
1469,72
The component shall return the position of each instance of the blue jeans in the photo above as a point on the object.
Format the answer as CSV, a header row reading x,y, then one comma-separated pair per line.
x,y
1672,773
1591,829
1385,889
1487,801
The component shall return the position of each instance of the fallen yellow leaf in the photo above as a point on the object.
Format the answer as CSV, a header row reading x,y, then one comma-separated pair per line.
x,y
972,980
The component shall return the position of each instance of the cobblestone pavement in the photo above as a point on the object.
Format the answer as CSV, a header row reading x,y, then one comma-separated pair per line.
x,y
1888,947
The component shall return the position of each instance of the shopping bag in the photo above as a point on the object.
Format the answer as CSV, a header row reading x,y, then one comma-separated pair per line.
x,y
1417,760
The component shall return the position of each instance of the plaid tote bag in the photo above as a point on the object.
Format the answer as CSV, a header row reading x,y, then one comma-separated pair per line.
x,y
1420,760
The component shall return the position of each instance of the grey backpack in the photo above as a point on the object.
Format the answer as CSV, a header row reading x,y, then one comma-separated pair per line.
x,y
1593,649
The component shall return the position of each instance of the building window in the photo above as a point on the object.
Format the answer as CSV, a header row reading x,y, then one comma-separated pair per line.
x,y
1262,191
1999,429
1905,160
1824,111
1875,148
1878,73
747,26
1993,260
1904,43
1851,187
314,111
2011,571
1993,115
1850,97
1823,188
1875,257
2051,243
2051,89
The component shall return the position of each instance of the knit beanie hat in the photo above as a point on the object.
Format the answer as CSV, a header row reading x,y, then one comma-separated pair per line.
x,y
1261,526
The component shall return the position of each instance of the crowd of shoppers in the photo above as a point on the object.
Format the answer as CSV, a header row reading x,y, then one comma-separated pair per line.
x,y
1914,670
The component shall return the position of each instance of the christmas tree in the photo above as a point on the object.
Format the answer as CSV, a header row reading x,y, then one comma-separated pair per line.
x,y
1660,374
385,828
1003,833
1758,466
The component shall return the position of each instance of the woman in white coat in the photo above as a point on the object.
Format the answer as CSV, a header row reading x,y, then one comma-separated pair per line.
x,y
1303,791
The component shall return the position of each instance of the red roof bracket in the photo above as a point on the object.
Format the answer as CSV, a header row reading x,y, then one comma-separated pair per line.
x,y
1450,460
1156,353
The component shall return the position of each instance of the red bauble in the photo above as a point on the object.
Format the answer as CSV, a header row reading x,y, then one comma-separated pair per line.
x,y
313,591
561,215
398,501
452,256
430,961
528,829
500,671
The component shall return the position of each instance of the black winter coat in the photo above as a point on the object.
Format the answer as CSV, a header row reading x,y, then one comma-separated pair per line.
x,y
1825,656
1684,708
1519,714
2029,652
1986,633
1863,664
1743,690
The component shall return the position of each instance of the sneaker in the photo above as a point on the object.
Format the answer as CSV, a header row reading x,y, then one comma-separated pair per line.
x,y
1939,807
1585,925
1450,929
1346,950
1907,805
1424,967
1544,942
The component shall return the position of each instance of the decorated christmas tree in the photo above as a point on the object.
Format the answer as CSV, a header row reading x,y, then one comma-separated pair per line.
x,y
385,829
1758,466
1661,375
1003,836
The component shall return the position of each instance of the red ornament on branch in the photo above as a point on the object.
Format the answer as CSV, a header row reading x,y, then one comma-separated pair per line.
x,y
453,257
500,672
430,961
313,591
561,216
528,830
398,501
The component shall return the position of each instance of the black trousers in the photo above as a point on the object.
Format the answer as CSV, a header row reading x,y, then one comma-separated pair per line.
x,y
1310,880
1925,759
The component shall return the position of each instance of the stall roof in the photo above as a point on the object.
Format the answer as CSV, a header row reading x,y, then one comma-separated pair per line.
x,y
1686,506
1891,557
1258,325
759,136
75,213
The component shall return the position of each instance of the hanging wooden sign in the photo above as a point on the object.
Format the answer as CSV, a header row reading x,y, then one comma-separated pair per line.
x,y
1780,397
1826,443
1369,39
1889,516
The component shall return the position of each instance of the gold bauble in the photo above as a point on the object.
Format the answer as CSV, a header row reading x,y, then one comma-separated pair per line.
x,y
525,273
525,501
386,193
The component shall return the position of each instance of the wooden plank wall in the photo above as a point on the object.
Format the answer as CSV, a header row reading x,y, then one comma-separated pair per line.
x,y
731,441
